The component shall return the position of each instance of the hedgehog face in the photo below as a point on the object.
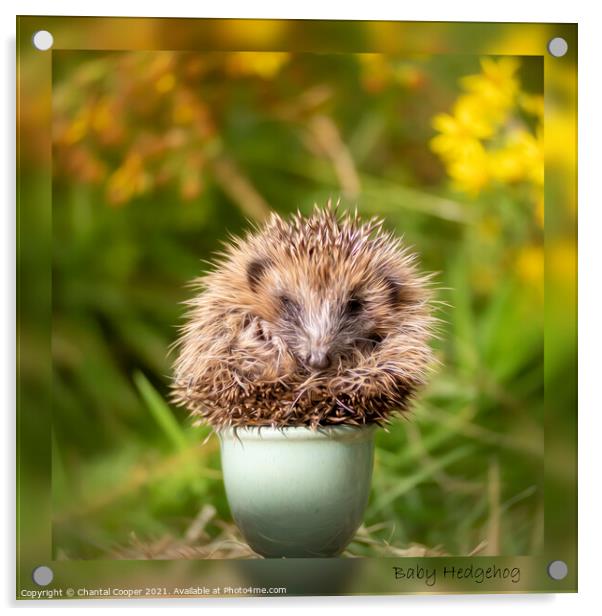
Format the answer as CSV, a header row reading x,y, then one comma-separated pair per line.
x,y
326,312
322,329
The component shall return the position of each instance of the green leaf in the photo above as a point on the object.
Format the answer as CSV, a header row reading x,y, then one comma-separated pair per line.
x,y
161,412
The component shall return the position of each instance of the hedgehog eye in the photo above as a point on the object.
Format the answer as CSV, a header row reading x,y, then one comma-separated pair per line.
x,y
288,305
375,338
354,305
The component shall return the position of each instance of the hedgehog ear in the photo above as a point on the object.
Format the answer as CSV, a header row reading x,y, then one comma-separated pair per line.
x,y
255,271
397,292
394,291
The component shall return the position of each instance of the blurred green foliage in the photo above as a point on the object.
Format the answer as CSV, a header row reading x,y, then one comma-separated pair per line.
x,y
157,155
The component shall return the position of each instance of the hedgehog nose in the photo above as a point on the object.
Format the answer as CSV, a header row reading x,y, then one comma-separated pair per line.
x,y
318,359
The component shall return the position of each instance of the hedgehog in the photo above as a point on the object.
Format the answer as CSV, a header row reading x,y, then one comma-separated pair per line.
x,y
307,321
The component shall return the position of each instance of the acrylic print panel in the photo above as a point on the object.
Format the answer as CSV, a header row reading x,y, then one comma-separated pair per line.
x,y
143,146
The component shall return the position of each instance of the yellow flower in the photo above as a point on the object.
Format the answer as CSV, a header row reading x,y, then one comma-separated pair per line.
x,y
530,150
105,120
78,128
532,104
484,140
496,85
521,159
507,165
470,172
460,132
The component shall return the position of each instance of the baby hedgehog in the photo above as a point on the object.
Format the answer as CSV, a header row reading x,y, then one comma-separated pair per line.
x,y
309,322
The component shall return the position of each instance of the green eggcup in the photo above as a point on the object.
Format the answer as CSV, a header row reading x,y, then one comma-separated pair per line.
x,y
297,492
